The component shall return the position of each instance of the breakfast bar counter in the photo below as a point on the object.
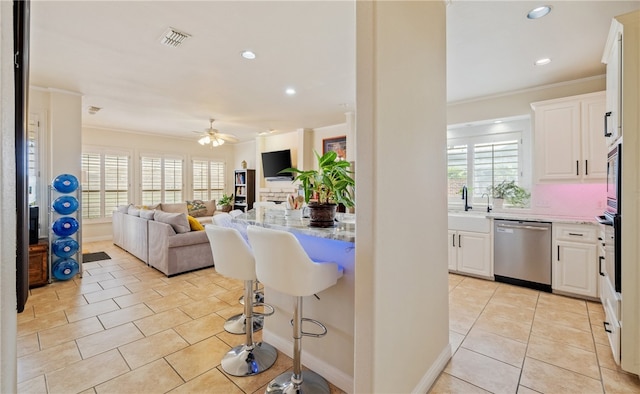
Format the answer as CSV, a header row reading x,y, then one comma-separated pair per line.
x,y
332,355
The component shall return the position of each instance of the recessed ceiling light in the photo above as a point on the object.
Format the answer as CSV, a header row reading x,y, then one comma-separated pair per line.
x,y
497,121
542,62
539,12
290,91
248,55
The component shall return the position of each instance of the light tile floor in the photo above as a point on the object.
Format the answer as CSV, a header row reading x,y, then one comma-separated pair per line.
x,y
509,339
126,328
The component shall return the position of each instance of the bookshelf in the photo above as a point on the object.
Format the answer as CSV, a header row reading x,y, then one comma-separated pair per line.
x,y
245,189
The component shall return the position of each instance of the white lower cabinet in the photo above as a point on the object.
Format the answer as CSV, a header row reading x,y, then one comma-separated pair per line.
x,y
470,252
575,259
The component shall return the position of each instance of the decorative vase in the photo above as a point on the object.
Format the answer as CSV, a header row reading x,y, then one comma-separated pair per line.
x,y
322,215
226,208
497,204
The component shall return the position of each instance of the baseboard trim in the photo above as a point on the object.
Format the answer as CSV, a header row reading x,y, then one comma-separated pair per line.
x,y
436,368
327,371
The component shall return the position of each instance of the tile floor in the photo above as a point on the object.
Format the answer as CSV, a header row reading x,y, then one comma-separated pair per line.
x,y
126,328
510,339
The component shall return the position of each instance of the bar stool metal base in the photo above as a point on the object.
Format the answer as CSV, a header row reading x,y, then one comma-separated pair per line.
x,y
236,324
244,360
312,383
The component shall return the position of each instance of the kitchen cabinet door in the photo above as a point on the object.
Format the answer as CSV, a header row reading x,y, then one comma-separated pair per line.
x,y
594,146
611,57
557,140
574,268
474,253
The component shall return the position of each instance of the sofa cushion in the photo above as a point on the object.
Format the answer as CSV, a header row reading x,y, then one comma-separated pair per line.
x,y
178,221
179,207
123,208
196,208
188,239
147,213
194,224
133,211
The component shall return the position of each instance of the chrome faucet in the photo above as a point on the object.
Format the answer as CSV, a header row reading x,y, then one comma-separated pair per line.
x,y
465,196
488,206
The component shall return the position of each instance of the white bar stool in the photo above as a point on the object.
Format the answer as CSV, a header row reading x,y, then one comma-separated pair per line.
x,y
283,265
236,323
233,259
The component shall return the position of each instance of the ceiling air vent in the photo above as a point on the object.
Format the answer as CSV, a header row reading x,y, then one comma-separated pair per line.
x,y
173,38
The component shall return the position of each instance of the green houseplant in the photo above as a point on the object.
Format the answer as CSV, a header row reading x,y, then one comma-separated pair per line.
x,y
325,187
226,202
510,192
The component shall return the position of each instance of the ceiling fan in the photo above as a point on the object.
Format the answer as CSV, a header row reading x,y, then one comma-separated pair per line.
x,y
214,137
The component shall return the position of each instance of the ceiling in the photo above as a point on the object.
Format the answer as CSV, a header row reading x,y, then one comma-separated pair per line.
x,y
110,52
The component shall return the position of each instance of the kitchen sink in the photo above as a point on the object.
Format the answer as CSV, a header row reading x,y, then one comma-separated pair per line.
x,y
468,221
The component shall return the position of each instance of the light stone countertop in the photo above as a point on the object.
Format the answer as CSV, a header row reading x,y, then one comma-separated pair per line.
x,y
525,215
345,229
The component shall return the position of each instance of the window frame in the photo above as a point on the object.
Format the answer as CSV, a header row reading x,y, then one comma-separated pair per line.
x,y
516,128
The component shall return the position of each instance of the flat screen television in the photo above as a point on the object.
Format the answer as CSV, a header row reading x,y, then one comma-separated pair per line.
x,y
274,162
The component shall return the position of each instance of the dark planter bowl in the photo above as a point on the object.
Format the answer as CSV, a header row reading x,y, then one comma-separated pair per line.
x,y
322,215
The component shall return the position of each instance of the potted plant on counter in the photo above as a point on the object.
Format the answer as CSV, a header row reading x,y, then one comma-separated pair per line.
x,y
225,203
510,192
325,188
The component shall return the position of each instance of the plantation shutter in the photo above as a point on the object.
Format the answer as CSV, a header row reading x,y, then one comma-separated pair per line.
x,y
116,182
172,180
494,163
91,185
456,169
151,170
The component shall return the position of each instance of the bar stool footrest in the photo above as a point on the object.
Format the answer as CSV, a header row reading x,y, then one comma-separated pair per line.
x,y
313,334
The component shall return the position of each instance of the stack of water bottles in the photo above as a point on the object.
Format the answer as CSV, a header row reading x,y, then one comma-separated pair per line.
x,y
64,243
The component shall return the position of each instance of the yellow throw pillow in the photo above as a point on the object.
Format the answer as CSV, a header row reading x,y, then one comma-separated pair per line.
x,y
195,224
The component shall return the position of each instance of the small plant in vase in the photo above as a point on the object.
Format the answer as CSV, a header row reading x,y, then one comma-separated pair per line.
x,y
510,192
225,203
325,188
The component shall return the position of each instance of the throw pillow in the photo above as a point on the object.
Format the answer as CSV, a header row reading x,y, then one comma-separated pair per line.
x,y
196,208
178,207
195,224
123,208
178,221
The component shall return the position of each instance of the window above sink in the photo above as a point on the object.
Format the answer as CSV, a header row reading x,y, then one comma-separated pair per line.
x,y
483,154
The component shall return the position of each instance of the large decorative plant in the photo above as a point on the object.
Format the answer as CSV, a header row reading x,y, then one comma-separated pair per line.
x,y
330,184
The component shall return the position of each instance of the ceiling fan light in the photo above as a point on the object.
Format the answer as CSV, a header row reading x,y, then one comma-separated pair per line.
x,y
204,140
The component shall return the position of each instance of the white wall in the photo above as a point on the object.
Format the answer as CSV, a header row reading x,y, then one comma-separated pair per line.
x,y
401,258
518,103
8,300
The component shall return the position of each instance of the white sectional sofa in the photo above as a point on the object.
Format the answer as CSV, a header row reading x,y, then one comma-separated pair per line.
x,y
158,236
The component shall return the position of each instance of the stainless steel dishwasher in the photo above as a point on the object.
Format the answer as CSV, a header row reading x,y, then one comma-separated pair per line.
x,y
522,253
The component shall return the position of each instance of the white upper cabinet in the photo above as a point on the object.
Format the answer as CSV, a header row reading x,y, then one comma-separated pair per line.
x,y
569,143
612,58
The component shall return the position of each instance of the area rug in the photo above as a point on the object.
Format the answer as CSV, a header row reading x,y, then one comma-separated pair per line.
x,y
91,257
